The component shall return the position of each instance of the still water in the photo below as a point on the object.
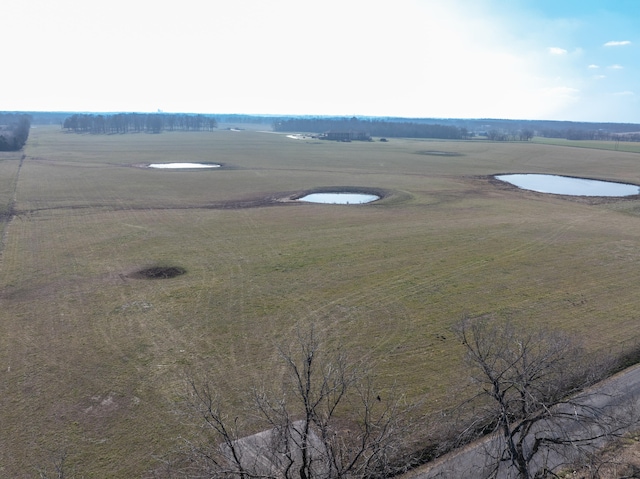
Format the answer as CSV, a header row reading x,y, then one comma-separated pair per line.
x,y
339,198
183,165
565,185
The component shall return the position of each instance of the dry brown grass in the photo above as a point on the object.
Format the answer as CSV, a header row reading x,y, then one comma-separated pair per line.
x,y
619,460
91,357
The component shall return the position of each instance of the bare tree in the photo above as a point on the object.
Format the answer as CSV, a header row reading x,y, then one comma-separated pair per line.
x,y
525,134
327,420
537,404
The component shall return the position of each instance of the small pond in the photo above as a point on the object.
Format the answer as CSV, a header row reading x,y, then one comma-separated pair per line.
x,y
566,185
183,165
339,198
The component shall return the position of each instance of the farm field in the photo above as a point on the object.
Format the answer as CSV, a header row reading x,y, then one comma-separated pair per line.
x,y
92,358
629,146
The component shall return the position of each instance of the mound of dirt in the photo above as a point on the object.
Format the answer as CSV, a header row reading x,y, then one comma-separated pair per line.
x,y
158,272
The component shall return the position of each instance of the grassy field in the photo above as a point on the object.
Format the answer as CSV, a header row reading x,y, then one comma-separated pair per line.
x,y
629,146
91,359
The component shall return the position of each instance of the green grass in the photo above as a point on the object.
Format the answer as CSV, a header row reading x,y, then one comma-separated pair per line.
x,y
91,359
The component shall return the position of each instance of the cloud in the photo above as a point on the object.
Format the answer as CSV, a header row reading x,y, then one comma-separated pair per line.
x,y
557,51
615,67
593,67
614,43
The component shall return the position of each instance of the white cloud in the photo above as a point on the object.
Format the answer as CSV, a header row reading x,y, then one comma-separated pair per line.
x,y
614,43
557,51
599,77
615,67
593,67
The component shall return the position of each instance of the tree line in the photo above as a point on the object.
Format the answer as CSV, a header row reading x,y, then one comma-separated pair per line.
x,y
575,134
14,131
372,127
524,134
138,123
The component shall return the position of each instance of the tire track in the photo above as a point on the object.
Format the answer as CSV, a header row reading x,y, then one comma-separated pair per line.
x,y
385,289
385,292
9,216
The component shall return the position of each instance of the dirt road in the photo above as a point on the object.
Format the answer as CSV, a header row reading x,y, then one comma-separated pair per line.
x,y
619,393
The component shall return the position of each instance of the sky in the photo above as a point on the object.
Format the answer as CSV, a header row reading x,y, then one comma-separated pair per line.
x,y
576,60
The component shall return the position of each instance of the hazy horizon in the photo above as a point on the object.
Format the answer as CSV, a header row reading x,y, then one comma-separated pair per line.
x,y
306,115
473,59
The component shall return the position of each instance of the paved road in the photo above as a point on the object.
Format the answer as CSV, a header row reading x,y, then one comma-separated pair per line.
x,y
619,393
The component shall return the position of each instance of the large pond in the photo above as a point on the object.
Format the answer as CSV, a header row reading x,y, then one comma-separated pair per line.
x,y
339,198
566,185
183,165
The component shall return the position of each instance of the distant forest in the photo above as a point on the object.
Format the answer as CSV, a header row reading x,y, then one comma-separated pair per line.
x,y
138,123
444,128
373,128
492,129
600,134
14,131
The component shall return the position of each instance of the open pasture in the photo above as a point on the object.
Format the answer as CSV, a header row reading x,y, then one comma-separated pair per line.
x,y
629,146
91,355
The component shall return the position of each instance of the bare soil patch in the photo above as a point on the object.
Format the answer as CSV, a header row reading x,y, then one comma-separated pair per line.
x,y
158,272
438,153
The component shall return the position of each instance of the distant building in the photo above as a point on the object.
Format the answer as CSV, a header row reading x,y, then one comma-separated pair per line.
x,y
346,135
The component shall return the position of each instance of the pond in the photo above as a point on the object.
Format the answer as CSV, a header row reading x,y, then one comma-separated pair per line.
x,y
339,198
566,185
183,165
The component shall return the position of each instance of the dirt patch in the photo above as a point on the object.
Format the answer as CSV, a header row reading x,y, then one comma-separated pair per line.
x,y
438,153
158,272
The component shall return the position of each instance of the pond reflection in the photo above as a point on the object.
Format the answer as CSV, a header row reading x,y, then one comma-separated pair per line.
x,y
566,185
339,198
172,166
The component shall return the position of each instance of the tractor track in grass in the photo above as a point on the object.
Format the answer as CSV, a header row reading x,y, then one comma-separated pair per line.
x,y
223,205
387,290
6,218
396,288
418,280
285,198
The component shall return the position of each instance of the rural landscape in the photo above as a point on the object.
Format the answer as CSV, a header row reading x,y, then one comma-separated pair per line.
x,y
132,295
